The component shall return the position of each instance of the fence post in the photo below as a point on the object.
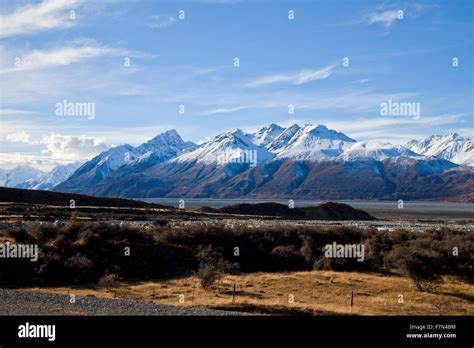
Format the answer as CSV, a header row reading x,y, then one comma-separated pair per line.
x,y
233,295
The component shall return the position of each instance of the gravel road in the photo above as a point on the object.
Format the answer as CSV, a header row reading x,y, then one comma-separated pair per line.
x,y
17,302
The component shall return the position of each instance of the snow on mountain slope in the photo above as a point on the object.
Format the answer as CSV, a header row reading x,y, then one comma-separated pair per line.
x,y
229,147
425,165
111,159
93,171
375,150
19,175
159,149
283,139
452,147
51,179
166,145
267,134
310,143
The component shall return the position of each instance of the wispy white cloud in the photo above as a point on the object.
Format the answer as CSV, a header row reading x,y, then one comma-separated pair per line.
x,y
386,18
13,112
298,78
161,21
353,100
46,15
387,15
40,59
360,100
200,71
46,74
224,110
365,124
393,129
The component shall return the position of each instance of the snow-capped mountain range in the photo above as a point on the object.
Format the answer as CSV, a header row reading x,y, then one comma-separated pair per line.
x,y
304,161
306,143
452,147
18,175
27,177
49,180
159,149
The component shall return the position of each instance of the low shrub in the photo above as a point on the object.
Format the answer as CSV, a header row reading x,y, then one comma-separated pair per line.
x,y
85,252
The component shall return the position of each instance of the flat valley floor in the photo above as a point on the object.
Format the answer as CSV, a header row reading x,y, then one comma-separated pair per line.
x,y
276,293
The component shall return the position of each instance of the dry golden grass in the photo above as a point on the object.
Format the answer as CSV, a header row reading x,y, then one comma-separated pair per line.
x,y
316,292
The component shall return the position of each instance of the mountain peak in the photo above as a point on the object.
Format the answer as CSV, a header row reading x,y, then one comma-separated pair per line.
x,y
323,132
267,134
226,146
237,131
169,135
230,136
309,143
272,127
454,135
165,142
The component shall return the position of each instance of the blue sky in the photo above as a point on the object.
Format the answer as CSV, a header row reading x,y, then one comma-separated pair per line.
x,y
79,57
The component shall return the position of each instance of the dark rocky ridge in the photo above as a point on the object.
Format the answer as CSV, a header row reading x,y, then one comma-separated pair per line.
x,y
325,211
15,195
105,207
